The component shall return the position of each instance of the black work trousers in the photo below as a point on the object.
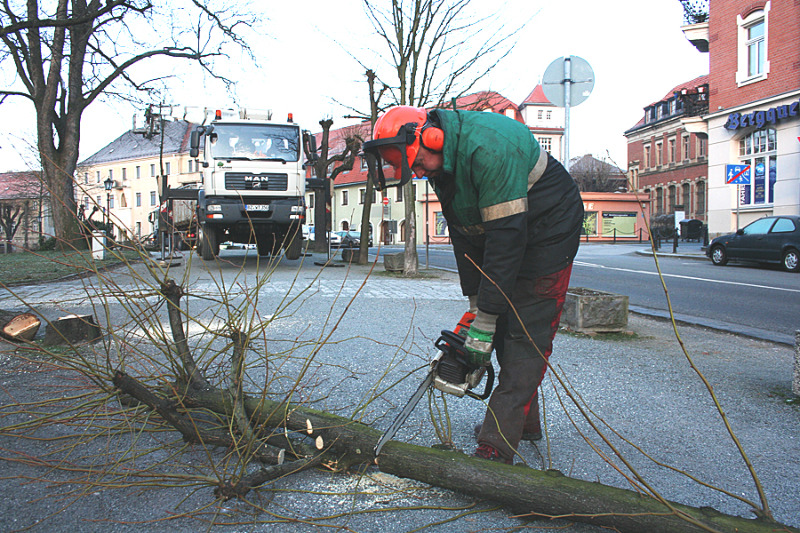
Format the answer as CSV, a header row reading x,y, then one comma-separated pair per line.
x,y
513,409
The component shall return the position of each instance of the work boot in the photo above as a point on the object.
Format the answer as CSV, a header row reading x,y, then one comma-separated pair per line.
x,y
535,434
484,451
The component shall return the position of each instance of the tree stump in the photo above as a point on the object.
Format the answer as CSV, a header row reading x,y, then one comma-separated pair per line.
x,y
18,327
72,329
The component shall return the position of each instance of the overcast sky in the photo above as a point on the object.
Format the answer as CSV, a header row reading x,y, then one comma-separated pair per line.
x,y
635,47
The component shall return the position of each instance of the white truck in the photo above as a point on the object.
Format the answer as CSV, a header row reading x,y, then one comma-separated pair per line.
x,y
254,182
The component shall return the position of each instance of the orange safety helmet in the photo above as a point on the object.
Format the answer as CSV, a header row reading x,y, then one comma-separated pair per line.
x,y
397,137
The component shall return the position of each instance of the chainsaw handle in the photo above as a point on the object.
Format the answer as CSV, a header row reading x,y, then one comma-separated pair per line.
x,y
487,389
456,342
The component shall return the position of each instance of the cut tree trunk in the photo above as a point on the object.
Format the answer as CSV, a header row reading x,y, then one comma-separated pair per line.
x,y
18,327
525,491
72,329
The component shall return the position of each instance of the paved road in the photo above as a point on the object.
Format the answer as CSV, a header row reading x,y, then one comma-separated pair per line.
x,y
759,302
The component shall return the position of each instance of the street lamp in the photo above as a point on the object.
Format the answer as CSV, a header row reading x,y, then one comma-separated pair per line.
x,y
109,184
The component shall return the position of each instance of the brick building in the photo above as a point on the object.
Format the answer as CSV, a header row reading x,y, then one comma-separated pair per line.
x,y
667,157
754,108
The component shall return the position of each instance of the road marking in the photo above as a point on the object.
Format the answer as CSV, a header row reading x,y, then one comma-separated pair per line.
x,y
692,278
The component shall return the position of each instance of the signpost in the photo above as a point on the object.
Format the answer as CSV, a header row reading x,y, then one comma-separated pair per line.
x,y
567,82
737,175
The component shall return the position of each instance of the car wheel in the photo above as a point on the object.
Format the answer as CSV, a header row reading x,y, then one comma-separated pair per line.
x,y
718,256
791,260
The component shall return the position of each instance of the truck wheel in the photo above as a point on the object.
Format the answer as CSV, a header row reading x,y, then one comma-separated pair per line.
x,y
209,243
265,245
294,248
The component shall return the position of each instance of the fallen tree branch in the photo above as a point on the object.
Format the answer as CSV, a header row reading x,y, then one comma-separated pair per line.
x,y
524,491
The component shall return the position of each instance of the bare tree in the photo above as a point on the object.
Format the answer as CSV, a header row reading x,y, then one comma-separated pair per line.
x,y
436,50
330,153
66,54
595,175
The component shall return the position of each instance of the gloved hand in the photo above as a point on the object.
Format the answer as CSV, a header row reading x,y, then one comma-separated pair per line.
x,y
479,339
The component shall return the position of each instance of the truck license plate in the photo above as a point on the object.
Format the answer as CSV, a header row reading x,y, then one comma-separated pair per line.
x,y
256,207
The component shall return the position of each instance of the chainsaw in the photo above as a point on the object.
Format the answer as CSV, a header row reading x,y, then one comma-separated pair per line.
x,y
448,372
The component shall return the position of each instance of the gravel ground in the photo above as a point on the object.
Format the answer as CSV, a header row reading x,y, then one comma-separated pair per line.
x,y
641,385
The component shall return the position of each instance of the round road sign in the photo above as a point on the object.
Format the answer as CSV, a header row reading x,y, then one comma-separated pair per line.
x,y
385,200
573,69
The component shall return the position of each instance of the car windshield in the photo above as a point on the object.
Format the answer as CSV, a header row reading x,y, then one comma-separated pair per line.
x,y
255,141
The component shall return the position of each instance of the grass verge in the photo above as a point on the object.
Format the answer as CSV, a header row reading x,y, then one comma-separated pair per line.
x,y
26,267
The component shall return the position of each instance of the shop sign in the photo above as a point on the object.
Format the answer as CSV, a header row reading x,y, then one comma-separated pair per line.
x,y
759,119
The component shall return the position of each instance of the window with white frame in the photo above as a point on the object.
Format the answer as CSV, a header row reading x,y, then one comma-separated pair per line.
x,y
153,198
362,194
138,172
166,168
124,174
759,150
686,147
539,114
86,178
648,161
98,176
345,198
138,199
549,115
546,143
753,50
659,154
152,171
672,148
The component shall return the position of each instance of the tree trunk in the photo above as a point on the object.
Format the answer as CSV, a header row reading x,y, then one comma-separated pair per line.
x,y
525,491
411,260
60,186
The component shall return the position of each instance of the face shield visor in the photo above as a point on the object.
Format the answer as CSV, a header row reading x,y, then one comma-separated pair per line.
x,y
399,151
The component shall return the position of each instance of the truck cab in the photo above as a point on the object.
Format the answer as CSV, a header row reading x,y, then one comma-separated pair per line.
x,y
253,184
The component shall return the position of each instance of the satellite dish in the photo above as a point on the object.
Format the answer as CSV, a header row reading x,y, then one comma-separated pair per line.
x,y
571,71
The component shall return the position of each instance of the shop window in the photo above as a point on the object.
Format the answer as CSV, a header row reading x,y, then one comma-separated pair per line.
x,y
753,38
590,223
759,151
440,224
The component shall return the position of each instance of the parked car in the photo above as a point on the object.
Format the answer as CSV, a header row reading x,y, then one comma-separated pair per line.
x,y
335,238
352,239
773,240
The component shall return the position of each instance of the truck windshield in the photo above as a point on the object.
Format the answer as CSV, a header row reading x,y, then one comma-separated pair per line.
x,y
255,141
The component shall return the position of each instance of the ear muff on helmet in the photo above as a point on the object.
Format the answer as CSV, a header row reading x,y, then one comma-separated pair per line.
x,y
432,138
